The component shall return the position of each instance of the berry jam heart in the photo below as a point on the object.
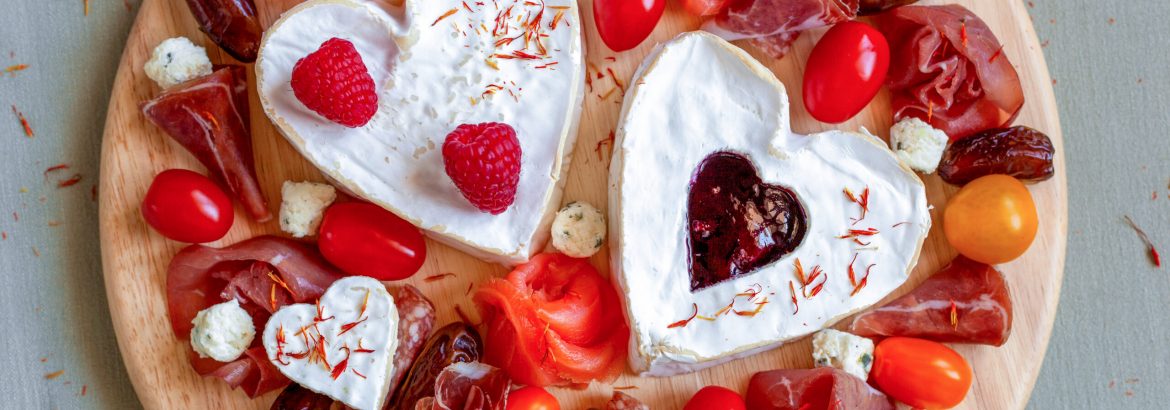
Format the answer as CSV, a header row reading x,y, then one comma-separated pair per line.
x,y
736,222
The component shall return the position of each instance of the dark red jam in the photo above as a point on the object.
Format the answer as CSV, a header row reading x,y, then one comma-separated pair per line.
x,y
736,222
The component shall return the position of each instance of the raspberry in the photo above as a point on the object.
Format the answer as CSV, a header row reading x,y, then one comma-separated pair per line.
x,y
484,162
333,81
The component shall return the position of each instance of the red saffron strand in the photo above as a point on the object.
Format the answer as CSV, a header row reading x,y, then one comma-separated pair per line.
x,y
1153,252
684,322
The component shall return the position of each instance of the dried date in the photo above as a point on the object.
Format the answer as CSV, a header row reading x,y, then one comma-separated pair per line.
x,y
232,24
1020,152
455,343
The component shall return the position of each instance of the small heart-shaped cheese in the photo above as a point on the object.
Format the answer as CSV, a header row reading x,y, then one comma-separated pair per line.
x,y
341,347
697,98
438,64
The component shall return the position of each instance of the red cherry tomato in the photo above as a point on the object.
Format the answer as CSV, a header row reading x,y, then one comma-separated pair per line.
x,y
532,398
623,24
715,398
920,373
364,239
845,71
187,207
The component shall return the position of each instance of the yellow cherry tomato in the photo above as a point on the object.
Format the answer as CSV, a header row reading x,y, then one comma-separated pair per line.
x,y
991,220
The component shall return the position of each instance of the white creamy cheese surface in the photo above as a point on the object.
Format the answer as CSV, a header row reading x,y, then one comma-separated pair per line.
x,y
697,95
355,326
436,65
222,332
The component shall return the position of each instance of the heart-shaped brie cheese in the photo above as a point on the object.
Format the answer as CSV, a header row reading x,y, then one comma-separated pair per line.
x,y
341,347
730,233
438,64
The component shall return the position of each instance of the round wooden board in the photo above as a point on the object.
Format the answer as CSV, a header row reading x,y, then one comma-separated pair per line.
x,y
135,258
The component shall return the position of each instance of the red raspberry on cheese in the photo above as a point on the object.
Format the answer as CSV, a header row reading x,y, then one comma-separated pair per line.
x,y
484,162
334,82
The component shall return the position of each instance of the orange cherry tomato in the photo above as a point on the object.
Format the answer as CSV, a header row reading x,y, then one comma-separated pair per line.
x,y
532,398
920,373
991,220
715,398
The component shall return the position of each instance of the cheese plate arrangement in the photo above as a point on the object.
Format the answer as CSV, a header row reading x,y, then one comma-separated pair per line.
x,y
545,204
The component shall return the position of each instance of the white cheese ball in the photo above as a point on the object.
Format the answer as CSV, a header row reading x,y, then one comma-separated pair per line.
x,y
918,145
222,332
177,60
845,351
302,205
578,230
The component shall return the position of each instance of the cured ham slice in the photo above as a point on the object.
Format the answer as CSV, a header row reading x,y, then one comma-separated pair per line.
x,y
468,386
773,25
976,293
209,117
263,274
554,321
823,388
947,68
877,6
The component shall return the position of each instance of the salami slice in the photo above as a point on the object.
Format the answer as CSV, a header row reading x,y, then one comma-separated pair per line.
x,y
416,319
622,401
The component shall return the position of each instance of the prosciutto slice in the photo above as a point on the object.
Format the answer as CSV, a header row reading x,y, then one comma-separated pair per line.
x,y
823,388
263,274
773,25
977,294
209,117
468,386
947,68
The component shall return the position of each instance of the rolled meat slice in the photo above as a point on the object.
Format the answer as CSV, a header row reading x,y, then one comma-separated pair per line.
x,y
263,274
774,25
965,302
470,386
947,68
823,388
209,117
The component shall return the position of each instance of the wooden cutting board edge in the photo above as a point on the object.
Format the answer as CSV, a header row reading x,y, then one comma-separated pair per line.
x,y
131,252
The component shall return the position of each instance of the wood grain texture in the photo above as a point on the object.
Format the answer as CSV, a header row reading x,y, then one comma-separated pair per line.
x,y
135,258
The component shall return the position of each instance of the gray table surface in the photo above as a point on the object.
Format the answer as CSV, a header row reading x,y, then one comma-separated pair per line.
x,y
1109,346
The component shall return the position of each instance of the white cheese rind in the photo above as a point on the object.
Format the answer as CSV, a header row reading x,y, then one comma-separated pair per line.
x,y
302,206
222,332
696,95
342,305
845,351
425,91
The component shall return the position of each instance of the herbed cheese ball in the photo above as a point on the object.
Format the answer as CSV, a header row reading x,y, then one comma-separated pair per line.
x,y
578,230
